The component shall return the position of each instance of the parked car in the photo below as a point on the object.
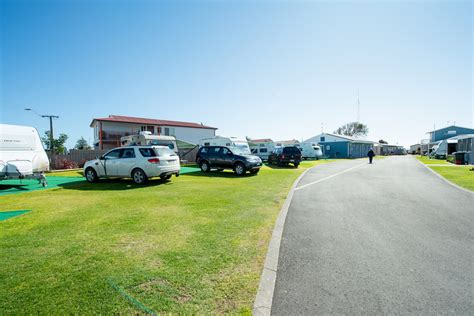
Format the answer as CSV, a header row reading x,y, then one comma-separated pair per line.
x,y
285,155
22,155
137,162
222,157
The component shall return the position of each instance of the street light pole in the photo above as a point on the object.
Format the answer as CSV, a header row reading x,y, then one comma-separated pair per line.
x,y
51,137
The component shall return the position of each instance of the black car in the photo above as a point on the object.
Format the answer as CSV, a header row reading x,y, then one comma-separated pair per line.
x,y
285,155
221,157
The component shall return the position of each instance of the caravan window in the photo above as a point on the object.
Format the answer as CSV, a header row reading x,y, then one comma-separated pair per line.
x,y
157,142
263,150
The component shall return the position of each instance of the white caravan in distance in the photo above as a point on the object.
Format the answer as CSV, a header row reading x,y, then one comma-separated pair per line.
x,y
146,138
243,145
22,155
310,150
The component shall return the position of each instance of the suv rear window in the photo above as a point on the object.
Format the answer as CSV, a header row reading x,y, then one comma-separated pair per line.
x,y
204,150
291,150
147,152
165,152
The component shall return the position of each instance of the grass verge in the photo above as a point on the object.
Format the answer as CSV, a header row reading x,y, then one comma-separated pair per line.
x,y
195,244
460,175
427,161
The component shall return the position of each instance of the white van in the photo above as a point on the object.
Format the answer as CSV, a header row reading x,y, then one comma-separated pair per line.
x,y
146,138
310,150
22,155
243,145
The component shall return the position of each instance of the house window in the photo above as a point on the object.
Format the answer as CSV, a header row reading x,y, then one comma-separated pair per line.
x,y
322,138
169,131
148,128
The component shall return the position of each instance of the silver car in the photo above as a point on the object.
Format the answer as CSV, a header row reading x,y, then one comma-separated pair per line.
x,y
137,162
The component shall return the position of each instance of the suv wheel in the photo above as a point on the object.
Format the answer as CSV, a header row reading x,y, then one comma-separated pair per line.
x,y
166,177
296,164
239,169
91,175
205,166
139,176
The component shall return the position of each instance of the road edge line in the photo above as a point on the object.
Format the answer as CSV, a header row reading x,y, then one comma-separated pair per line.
x,y
264,297
443,178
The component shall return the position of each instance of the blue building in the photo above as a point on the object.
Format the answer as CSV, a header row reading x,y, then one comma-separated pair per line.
x,y
341,146
448,132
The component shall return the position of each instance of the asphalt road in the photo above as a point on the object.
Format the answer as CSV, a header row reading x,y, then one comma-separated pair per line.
x,y
387,238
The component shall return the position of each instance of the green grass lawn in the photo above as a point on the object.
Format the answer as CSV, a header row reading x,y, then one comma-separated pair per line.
x,y
195,244
427,161
461,175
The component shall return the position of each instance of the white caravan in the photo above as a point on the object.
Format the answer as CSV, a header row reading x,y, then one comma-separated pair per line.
x,y
146,138
310,150
262,148
226,141
22,155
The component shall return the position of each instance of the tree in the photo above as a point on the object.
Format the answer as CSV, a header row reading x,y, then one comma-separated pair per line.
x,y
353,129
383,141
58,143
82,144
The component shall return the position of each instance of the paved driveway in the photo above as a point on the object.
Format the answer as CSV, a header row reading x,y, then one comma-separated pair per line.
x,y
375,239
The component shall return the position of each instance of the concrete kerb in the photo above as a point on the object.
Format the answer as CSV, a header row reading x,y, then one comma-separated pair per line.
x,y
263,300
443,178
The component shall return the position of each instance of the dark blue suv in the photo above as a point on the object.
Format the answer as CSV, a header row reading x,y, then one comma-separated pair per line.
x,y
221,157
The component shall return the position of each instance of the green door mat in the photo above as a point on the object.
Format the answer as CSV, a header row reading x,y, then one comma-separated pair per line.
x,y
10,214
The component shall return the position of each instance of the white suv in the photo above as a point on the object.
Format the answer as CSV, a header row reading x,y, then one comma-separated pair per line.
x,y
136,162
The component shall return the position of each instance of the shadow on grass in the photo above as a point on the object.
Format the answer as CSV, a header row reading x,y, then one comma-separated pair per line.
x,y
219,174
288,166
21,187
113,185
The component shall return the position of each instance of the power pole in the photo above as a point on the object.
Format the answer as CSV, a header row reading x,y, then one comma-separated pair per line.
x,y
51,136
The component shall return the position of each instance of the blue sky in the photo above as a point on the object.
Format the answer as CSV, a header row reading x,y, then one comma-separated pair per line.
x,y
250,68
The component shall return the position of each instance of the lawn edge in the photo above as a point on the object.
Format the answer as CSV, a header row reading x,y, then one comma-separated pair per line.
x,y
264,297
444,179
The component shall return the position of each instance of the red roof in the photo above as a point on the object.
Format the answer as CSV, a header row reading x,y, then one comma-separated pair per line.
x,y
147,121
261,140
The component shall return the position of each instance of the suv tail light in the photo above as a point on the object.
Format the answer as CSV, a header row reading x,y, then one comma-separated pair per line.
x,y
282,156
154,160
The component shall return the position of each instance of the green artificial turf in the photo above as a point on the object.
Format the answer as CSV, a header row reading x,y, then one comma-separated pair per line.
x,y
460,175
9,214
192,245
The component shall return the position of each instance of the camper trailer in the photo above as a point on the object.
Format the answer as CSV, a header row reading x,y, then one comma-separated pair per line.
x,y
22,155
261,147
310,150
146,138
226,141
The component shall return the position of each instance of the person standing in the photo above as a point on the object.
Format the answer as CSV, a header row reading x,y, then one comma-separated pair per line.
x,y
371,155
